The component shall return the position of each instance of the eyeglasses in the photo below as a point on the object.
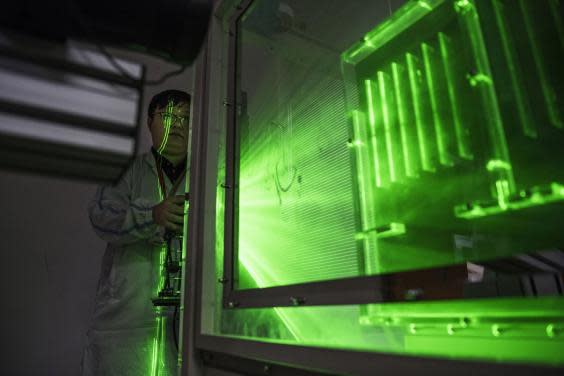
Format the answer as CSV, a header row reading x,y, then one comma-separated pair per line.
x,y
174,119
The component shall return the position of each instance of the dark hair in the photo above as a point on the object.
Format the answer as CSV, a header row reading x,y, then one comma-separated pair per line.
x,y
161,99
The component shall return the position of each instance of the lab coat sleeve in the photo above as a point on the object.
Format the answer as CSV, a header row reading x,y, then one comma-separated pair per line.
x,y
118,218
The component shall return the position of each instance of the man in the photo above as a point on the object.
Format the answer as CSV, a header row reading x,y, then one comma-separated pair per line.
x,y
127,335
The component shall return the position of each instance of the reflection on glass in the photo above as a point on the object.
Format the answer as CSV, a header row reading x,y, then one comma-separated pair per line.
x,y
296,220
413,154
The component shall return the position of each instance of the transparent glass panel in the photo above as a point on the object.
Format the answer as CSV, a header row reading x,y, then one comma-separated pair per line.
x,y
512,330
432,138
379,147
296,219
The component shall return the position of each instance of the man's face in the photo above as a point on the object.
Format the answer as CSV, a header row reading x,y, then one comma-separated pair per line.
x,y
169,128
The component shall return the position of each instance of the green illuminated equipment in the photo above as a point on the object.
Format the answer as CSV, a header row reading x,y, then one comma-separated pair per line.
x,y
410,189
457,142
457,128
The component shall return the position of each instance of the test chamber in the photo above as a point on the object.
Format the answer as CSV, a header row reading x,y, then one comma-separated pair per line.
x,y
380,196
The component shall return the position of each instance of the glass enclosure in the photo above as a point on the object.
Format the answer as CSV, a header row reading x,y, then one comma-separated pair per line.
x,y
296,220
387,138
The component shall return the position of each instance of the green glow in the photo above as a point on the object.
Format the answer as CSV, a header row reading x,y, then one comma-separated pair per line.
x,y
167,123
391,230
155,353
496,164
162,256
154,357
384,87
548,93
387,30
463,6
424,5
162,346
426,113
463,145
407,149
516,328
440,131
479,79
157,358
441,88
505,329
261,281
537,196
522,104
502,189
414,83
490,103
295,213
361,50
363,164
373,140
162,252
158,366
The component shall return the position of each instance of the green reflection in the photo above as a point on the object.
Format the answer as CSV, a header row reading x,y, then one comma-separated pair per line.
x,y
167,122
436,118
295,212
444,147
509,329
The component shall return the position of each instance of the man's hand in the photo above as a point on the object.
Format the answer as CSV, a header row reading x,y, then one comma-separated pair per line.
x,y
170,213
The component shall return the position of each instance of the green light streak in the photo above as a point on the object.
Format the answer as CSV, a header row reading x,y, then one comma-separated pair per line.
x,y
155,353
463,6
162,256
158,339
162,253
372,122
162,348
515,73
414,74
479,79
167,123
537,196
501,330
548,93
425,5
389,29
362,162
409,164
502,189
383,86
360,49
258,278
154,358
440,132
494,124
463,146
515,327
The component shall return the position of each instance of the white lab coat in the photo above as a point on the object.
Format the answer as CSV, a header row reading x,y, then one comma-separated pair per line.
x,y
121,337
